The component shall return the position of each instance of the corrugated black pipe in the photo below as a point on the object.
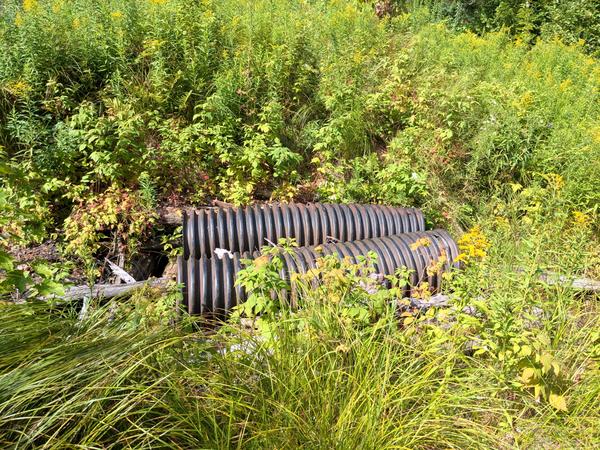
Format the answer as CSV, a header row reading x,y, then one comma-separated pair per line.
x,y
209,283
249,229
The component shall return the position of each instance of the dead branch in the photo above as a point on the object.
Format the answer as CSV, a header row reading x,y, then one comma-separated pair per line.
x,y
120,273
109,290
583,284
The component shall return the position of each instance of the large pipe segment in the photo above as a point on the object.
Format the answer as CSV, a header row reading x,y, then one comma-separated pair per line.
x,y
248,229
209,286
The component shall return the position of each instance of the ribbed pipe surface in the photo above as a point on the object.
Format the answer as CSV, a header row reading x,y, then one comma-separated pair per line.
x,y
249,229
209,283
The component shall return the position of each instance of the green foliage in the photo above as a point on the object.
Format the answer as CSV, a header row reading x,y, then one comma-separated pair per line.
x,y
38,280
261,279
569,20
23,219
352,292
366,179
512,362
111,109
116,218
187,102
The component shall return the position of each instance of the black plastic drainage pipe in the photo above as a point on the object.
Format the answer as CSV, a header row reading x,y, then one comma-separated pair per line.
x,y
249,229
209,283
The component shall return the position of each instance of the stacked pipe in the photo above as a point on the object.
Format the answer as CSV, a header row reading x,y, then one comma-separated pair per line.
x,y
250,228
209,283
396,235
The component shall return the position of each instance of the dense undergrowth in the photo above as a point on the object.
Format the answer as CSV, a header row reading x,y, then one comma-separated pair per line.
x,y
569,20
171,102
109,110
518,369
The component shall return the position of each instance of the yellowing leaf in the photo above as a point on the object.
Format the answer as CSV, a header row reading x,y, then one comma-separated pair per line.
x,y
558,401
525,350
528,375
261,261
546,360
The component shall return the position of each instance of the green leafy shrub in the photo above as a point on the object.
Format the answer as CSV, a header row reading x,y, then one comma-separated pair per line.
x,y
570,20
182,103
116,219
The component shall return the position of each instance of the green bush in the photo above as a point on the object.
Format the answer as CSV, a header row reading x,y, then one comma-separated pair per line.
x,y
278,99
569,20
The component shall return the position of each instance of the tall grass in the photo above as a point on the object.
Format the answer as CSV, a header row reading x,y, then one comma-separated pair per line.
x,y
450,378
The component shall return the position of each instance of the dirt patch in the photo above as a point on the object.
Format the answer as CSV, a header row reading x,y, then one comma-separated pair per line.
x,y
46,251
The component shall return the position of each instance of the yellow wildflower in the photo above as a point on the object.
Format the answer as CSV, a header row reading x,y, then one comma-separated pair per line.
x,y
501,222
555,181
473,245
519,42
29,5
18,20
116,15
523,102
18,88
564,85
581,219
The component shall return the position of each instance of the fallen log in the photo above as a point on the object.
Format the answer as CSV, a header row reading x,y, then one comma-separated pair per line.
x,y
108,290
120,273
435,301
439,300
583,284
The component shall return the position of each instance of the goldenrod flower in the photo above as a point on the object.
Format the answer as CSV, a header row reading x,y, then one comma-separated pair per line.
x,y
581,219
564,85
28,5
473,245
18,88
554,180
